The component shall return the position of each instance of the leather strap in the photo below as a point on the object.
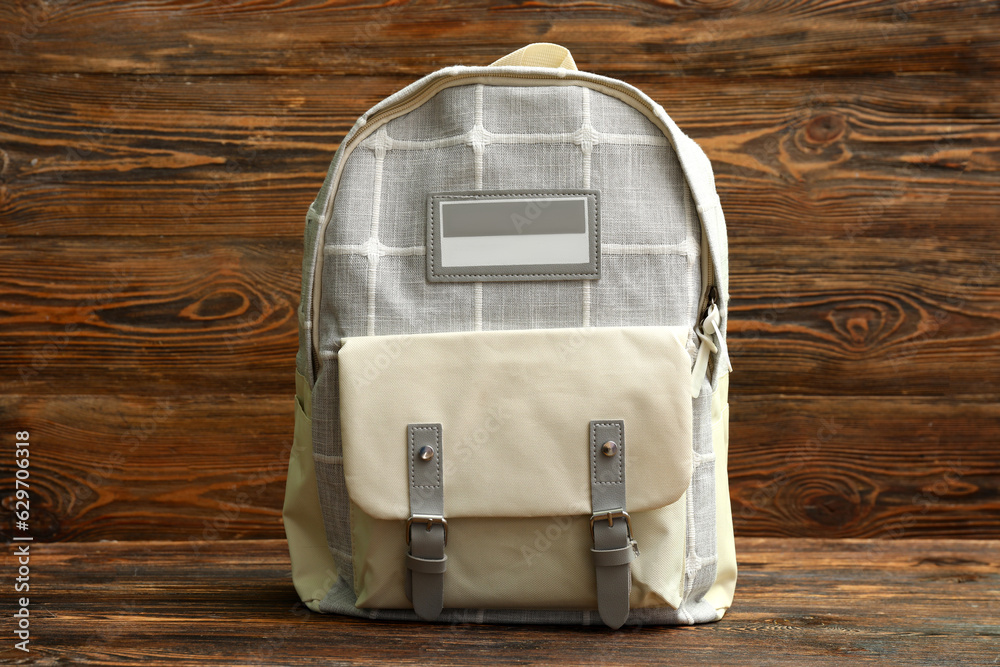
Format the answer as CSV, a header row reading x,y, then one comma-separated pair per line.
x,y
427,530
612,557
614,547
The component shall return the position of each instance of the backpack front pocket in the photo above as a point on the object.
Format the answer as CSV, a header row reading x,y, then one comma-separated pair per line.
x,y
504,444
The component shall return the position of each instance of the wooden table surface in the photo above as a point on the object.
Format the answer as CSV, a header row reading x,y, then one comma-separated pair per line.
x,y
157,160
156,163
798,602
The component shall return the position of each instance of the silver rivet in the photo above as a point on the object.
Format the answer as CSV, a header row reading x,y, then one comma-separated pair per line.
x,y
426,453
610,448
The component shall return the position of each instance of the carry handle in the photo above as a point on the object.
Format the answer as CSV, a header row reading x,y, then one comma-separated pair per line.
x,y
539,54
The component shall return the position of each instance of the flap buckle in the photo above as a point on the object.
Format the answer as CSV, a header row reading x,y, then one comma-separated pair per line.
x,y
611,515
430,521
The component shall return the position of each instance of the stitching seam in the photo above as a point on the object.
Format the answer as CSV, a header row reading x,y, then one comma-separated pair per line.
x,y
593,451
413,453
596,237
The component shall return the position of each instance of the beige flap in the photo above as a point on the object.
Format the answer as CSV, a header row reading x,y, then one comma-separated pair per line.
x,y
515,409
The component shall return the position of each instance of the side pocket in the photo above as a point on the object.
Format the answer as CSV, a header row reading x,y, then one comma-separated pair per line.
x,y
721,593
313,569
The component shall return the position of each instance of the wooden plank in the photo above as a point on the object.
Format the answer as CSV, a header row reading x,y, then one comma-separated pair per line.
x,y
148,316
798,602
864,316
164,316
811,38
205,467
159,467
851,466
915,156
98,154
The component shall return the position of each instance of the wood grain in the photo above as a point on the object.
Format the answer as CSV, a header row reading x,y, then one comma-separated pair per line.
x,y
735,39
864,316
160,467
798,602
182,467
913,157
849,466
157,159
149,317
211,316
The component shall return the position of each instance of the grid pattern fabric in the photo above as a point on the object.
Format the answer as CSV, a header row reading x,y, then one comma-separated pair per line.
x,y
479,137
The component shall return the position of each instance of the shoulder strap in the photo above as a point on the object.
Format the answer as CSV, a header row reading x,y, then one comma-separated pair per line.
x,y
698,171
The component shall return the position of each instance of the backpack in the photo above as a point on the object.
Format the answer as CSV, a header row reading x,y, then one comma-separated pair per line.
x,y
511,387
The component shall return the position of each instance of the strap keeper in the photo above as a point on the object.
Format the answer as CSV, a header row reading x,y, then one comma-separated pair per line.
x,y
612,557
427,565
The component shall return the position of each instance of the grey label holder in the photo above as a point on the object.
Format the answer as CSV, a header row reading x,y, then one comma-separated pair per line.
x,y
513,235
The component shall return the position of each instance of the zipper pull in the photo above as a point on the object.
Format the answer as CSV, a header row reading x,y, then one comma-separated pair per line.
x,y
709,327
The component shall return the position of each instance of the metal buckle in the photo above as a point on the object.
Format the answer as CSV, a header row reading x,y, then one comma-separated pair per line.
x,y
430,521
611,515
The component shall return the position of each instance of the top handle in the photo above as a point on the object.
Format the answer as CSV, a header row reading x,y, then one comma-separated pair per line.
x,y
540,54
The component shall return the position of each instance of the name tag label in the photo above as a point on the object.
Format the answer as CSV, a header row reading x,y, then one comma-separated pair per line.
x,y
513,235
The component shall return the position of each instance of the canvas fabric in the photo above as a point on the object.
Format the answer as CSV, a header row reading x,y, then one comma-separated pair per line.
x,y
658,204
695,165
376,401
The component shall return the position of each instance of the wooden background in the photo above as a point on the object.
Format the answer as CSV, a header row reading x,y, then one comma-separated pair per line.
x,y
157,159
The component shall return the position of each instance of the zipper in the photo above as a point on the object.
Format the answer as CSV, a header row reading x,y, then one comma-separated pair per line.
x,y
709,333
415,100
711,299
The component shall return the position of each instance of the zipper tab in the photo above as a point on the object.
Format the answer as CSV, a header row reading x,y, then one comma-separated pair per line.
x,y
710,322
711,300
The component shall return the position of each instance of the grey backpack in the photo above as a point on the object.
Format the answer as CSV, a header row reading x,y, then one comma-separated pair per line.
x,y
512,375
